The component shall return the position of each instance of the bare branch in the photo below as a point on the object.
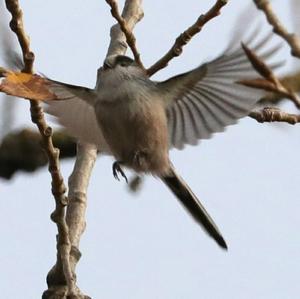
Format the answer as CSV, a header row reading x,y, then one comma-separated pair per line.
x,y
130,38
292,39
37,116
290,82
86,154
16,25
186,36
271,82
272,114
78,185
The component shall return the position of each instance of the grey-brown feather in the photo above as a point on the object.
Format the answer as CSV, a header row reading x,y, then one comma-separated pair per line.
x,y
74,110
191,203
207,99
138,120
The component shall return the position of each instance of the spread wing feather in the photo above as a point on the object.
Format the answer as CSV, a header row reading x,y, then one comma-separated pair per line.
x,y
75,114
207,99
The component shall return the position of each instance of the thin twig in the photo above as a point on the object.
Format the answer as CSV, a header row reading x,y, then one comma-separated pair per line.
x,y
186,36
16,25
37,116
290,81
272,114
271,82
130,38
292,39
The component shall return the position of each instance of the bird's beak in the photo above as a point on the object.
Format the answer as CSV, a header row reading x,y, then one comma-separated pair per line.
x,y
109,62
107,65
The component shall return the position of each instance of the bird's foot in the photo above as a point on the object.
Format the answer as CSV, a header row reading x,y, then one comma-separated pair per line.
x,y
116,168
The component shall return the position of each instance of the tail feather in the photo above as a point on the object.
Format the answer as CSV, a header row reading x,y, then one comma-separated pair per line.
x,y
189,200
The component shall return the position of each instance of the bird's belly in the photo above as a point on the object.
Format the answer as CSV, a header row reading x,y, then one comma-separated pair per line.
x,y
137,134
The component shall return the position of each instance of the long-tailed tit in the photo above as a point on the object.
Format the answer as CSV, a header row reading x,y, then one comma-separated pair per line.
x,y
138,120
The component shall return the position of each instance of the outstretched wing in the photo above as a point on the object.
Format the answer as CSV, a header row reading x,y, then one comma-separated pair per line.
x,y
76,114
207,99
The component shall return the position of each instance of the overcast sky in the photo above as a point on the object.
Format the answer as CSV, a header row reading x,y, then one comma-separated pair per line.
x,y
145,245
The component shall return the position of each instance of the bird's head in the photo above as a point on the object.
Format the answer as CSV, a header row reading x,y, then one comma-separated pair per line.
x,y
117,68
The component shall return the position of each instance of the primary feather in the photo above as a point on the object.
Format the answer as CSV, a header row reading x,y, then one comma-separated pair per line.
x,y
207,99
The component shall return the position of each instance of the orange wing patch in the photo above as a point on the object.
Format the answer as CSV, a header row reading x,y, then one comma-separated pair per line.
x,y
28,86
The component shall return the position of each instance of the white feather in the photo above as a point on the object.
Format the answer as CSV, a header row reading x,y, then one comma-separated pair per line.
x,y
79,120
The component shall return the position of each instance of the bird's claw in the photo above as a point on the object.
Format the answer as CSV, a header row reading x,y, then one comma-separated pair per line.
x,y
117,169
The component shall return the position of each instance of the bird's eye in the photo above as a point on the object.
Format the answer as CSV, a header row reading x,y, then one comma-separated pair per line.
x,y
123,64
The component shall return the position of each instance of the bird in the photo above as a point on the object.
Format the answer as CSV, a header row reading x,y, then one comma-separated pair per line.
x,y
138,120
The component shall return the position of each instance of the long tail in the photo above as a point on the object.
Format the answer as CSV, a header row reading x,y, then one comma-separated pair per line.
x,y
193,205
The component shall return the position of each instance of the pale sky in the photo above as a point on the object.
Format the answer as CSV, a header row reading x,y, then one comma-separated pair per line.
x,y
145,245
